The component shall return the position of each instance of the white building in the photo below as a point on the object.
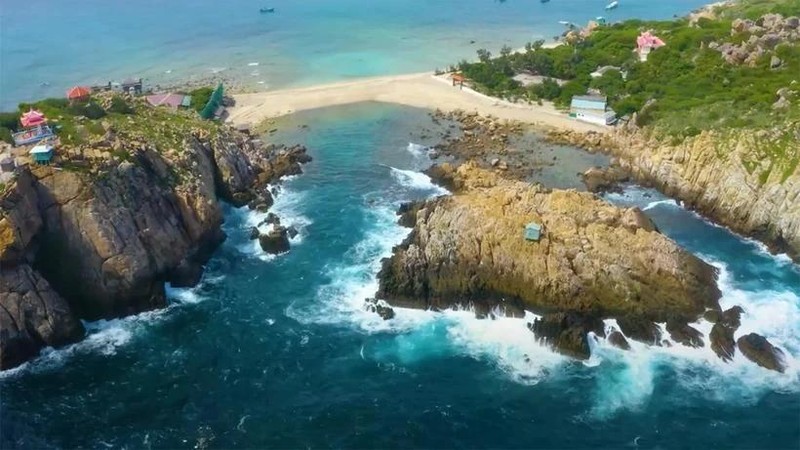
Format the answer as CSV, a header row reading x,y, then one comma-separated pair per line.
x,y
592,109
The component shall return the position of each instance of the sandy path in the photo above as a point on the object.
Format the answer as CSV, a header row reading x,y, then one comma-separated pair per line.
x,y
422,90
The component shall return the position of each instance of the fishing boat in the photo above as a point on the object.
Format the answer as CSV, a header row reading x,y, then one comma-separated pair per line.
x,y
267,10
612,5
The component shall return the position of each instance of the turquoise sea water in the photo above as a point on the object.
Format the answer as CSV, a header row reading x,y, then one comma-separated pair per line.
x,y
276,352
47,46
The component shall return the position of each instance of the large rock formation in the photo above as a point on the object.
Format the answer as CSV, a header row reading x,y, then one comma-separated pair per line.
x,y
101,242
594,259
731,176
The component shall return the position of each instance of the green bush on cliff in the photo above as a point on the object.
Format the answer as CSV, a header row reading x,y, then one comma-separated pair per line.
x,y
200,97
5,135
120,106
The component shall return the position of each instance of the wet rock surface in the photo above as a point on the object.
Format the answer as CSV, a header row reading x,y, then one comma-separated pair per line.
x,y
721,336
757,349
380,308
126,226
567,332
591,261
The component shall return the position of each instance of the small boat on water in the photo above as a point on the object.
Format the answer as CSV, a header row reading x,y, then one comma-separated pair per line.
x,y
563,22
612,5
267,10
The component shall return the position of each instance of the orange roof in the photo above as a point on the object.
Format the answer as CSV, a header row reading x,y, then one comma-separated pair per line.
x,y
458,77
78,92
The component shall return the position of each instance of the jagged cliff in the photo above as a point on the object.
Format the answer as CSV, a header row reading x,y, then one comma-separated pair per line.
x,y
747,180
593,261
100,239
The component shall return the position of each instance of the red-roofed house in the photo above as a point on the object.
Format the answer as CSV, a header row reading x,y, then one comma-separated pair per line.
x,y
645,43
173,101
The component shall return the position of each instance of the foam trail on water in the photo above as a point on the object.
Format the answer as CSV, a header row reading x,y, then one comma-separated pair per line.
x,y
354,280
657,203
626,379
417,149
104,337
288,207
417,181
506,342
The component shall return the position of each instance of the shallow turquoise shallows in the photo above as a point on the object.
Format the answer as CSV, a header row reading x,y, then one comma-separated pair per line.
x,y
278,353
47,46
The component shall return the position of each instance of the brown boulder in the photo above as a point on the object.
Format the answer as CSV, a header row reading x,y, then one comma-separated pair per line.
x,y
684,334
275,241
757,349
722,342
567,333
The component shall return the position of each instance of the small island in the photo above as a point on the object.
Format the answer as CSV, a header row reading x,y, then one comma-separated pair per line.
x,y
500,246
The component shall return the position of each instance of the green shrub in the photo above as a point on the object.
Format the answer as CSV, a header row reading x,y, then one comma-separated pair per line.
x,y
5,135
120,106
90,110
10,120
200,97
547,89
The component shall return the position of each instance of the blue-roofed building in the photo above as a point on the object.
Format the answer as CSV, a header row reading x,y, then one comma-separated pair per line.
x,y
533,231
592,109
42,154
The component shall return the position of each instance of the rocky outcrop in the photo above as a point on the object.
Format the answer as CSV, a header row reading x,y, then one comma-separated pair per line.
x,y
757,38
599,179
379,307
275,241
594,259
739,178
32,315
101,243
721,336
567,332
757,349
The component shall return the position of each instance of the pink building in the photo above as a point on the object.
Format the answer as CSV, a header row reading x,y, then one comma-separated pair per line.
x,y
645,43
170,100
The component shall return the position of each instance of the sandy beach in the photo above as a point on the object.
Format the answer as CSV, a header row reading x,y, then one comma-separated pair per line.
x,y
422,90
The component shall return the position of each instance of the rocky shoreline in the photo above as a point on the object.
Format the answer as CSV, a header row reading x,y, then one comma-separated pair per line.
x,y
594,262
129,219
757,202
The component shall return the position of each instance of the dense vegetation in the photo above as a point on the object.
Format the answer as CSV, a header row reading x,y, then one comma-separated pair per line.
x,y
684,87
200,97
78,122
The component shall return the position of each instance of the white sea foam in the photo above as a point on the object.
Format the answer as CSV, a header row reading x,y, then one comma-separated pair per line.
x,y
417,149
288,207
626,378
216,70
105,337
252,64
668,202
417,181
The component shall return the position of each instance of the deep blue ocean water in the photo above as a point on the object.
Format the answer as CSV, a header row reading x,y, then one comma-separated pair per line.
x,y
47,46
277,352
